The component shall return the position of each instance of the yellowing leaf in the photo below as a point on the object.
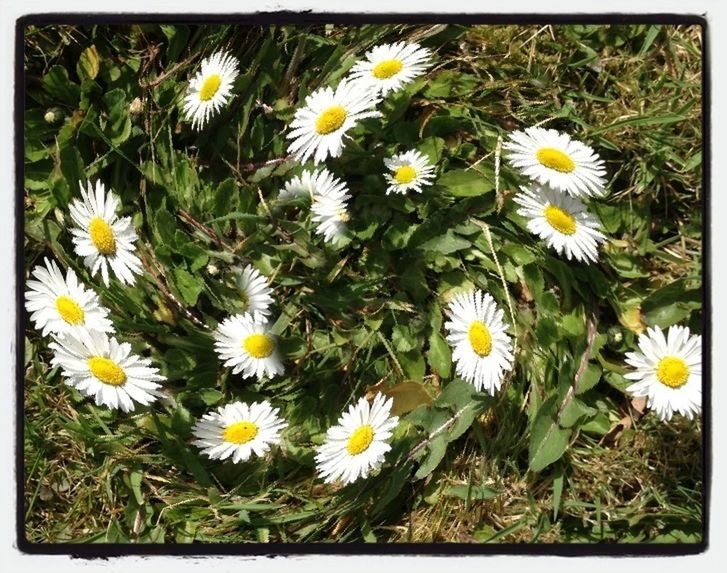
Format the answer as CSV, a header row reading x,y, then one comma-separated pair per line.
x,y
407,396
631,319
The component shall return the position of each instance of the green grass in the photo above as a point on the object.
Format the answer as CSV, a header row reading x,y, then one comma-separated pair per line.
x,y
366,316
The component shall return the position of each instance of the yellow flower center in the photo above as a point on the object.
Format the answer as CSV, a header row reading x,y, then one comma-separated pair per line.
x,y
210,87
384,70
672,371
560,219
405,174
69,310
555,159
331,119
102,236
360,440
259,345
107,371
240,432
480,339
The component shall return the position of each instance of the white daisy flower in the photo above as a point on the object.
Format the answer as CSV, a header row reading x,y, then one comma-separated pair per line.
x,y
409,170
553,158
244,341
329,201
97,365
318,128
210,88
389,67
481,348
254,290
60,305
668,371
239,430
102,238
562,221
356,446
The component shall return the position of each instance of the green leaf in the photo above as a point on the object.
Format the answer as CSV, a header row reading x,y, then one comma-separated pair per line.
x,y
119,125
456,395
471,492
548,441
88,64
591,376
435,453
461,183
189,286
573,412
440,355
408,396
445,244
58,85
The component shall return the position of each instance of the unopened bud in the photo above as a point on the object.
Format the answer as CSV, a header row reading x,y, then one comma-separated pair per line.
x,y
213,270
136,106
53,115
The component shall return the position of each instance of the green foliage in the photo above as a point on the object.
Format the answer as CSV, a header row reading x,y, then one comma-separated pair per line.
x,y
555,451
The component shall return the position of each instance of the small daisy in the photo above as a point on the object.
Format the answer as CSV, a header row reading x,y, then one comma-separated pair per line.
x,y
356,446
99,366
668,371
553,158
389,67
239,430
409,170
244,341
329,199
318,128
60,305
562,221
210,89
480,346
254,290
102,238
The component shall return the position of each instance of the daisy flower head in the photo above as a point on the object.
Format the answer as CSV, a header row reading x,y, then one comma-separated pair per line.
x,y
209,90
239,430
356,446
561,221
389,67
245,343
480,345
254,290
62,304
318,128
668,371
102,238
329,201
554,159
410,170
97,365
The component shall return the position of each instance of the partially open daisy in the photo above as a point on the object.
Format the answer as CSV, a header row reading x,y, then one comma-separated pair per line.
x,y
553,158
97,365
238,430
329,201
102,238
245,343
410,170
562,221
254,290
668,371
481,348
318,128
356,446
389,67
59,305
210,88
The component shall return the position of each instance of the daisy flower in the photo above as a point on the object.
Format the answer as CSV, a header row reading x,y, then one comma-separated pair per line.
x,y
210,89
561,221
553,158
60,305
409,170
481,348
254,290
317,129
244,341
668,371
102,238
389,67
356,446
329,201
97,365
238,430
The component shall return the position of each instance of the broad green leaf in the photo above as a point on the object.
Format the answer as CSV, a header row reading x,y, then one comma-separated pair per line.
x,y
548,441
435,453
408,395
440,355
461,183
471,492
58,85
